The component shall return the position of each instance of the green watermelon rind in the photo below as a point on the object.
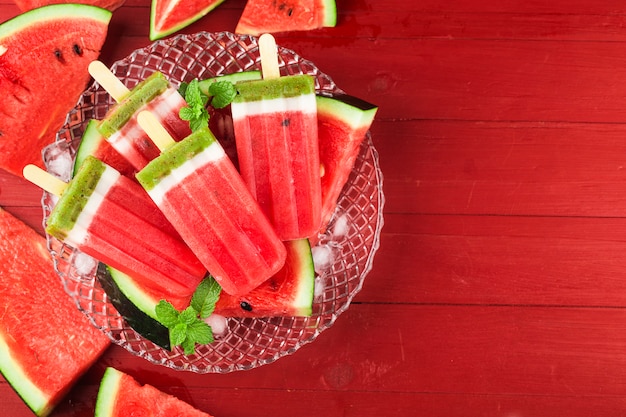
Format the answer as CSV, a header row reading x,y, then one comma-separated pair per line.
x,y
34,398
136,306
303,301
158,34
330,13
233,78
107,393
349,109
51,12
90,141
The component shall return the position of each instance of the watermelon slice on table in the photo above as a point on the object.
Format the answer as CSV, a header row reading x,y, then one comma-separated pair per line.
x,y
46,343
270,16
25,5
342,123
44,54
120,395
169,16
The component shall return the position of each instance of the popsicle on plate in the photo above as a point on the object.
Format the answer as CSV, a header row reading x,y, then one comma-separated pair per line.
x,y
201,193
275,125
110,217
119,127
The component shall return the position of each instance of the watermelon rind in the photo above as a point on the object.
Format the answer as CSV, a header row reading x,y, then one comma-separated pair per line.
x,y
351,110
234,78
107,393
135,305
89,143
50,12
34,398
158,33
303,300
330,13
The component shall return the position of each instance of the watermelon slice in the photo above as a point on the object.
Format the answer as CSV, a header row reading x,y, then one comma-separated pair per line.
x,y
26,5
342,123
46,343
120,395
169,16
93,143
44,54
288,293
270,16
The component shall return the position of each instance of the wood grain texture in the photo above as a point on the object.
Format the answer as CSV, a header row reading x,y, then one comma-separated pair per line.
x,y
499,287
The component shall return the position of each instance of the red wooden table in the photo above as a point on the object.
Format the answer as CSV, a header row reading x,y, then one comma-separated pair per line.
x,y
500,285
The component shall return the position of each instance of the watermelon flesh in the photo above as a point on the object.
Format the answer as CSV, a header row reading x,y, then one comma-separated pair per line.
x,y
287,293
25,5
342,122
120,395
46,343
44,54
169,16
271,16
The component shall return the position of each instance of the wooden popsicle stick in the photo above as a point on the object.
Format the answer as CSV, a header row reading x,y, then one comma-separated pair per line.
x,y
44,180
155,130
108,80
269,56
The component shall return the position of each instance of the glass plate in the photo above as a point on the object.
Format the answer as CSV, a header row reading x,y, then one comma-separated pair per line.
x,y
343,255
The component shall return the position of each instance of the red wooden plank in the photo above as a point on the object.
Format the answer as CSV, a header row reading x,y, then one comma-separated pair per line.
x,y
504,168
500,260
408,349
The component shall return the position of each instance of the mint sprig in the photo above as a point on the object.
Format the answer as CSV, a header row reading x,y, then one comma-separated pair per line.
x,y
220,94
195,112
223,93
188,328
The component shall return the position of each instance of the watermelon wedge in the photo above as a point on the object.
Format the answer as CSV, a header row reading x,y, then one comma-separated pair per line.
x,y
25,5
44,54
169,16
270,16
288,293
342,123
93,143
46,343
120,395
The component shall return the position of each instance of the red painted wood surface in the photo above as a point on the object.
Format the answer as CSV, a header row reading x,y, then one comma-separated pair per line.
x,y
500,285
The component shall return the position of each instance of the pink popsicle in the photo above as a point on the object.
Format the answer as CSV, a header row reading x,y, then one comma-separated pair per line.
x,y
201,193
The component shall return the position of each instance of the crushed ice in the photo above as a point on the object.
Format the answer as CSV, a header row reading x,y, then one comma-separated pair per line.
x,y
218,323
85,265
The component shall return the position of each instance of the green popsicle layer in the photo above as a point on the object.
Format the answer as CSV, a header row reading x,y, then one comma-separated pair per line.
x,y
174,156
74,198
283,87
143,92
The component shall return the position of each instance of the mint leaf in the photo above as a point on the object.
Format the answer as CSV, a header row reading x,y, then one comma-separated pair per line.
x,y
195,112
166,314
206,295
189,346
178,334
223,93
188,316
201,332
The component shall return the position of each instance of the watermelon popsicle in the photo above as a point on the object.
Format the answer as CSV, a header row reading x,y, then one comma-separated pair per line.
x,y
119,126
197,187
111,218
275,125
